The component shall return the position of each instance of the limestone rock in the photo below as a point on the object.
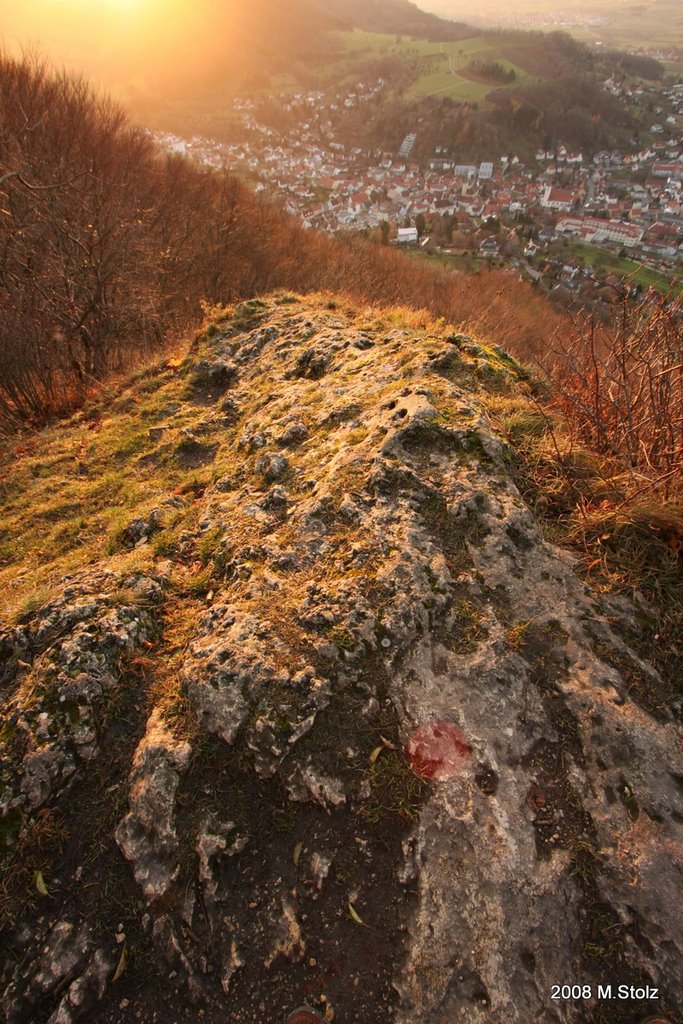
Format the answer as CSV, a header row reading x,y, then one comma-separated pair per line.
x,y
355,577
68,970
272,467
293,434
77,645
147,835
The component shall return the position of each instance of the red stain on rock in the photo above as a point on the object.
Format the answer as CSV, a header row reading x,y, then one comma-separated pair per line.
x,y
437,750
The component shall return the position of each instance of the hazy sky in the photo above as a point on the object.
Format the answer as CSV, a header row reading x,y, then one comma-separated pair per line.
x,y
101,38
144,49
146,44
110,37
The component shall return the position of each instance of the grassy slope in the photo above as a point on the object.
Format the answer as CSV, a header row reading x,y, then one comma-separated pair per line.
x,y
67,491
602,260
440,64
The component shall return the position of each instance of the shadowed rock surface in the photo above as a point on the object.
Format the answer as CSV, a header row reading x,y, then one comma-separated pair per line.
x,y
208,750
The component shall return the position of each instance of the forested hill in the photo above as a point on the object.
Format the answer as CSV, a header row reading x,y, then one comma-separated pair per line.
x,y
399,16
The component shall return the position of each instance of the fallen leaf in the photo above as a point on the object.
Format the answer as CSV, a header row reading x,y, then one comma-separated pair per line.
x,y
123,960
39,883
375,754
354,915
388,744
296,856
173,364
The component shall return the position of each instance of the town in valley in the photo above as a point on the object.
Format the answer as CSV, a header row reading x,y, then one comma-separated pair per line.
x,y
565,218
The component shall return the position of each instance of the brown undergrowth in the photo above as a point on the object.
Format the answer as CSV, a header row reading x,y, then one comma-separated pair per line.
x,y
619,388
627,535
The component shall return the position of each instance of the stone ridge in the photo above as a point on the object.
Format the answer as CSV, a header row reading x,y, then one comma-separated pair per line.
x,y
235,809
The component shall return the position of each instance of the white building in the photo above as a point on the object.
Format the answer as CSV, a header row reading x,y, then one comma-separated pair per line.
x,y
407,236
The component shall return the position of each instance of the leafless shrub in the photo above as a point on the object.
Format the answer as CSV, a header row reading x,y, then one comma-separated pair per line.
x,y
620,388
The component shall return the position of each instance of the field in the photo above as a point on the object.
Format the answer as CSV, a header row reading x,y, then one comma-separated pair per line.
x,y
604,261
466,261
627,24
440,69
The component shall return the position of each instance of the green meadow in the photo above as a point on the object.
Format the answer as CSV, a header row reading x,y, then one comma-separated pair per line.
x,y
441,69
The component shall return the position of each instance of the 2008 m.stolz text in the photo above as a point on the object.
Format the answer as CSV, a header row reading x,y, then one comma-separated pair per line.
x,y
606,991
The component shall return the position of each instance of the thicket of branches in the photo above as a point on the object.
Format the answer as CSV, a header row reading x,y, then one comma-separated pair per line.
x,y
107,245
619,387
99,249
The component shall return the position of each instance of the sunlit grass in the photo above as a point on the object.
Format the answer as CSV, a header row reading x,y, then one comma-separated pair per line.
x,y
67,491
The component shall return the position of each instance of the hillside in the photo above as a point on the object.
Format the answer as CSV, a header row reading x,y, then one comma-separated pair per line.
x,y
183,73
395,16
640,24
300,704
480,95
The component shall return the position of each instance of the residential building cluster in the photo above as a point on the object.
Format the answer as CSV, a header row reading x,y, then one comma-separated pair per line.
x,y
632,199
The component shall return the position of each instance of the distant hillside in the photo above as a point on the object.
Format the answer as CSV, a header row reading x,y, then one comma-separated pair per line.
x,y
480,96
399,16
570,109
496,79
234,42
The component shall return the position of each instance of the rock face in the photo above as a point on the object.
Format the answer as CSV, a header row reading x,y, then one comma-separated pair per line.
x,y
406,768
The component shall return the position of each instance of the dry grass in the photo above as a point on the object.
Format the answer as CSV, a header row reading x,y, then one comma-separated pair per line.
x,y
36,848
67,491
619,388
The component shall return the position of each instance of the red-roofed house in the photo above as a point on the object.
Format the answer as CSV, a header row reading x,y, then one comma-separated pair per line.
x,y
557,199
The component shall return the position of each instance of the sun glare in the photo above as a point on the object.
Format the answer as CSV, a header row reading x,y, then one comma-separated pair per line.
x,y
125,5
110,5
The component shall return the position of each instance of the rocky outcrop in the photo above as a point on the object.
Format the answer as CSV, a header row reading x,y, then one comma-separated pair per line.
x,y
147,835
406,767
66,667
